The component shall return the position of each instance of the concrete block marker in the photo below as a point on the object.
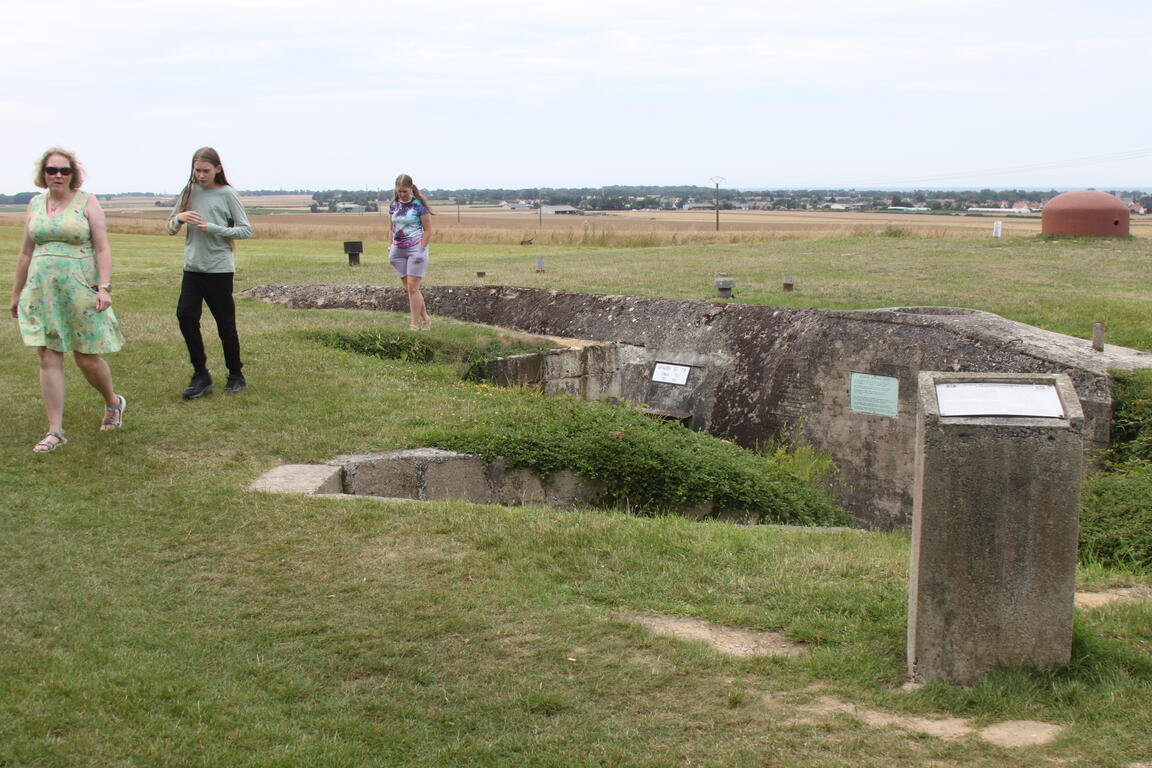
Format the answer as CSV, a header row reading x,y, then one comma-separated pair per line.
x,y
998,467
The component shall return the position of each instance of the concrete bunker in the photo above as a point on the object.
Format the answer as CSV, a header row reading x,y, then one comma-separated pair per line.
x,y
1085,213
841,381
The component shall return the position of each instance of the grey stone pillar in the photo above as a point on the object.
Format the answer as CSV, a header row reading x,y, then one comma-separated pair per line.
x,y
996,507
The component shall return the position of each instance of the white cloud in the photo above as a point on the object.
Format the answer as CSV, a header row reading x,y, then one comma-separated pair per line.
x,y
524,93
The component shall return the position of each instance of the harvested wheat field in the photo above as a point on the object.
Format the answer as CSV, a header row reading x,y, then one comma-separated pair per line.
x,y
285,217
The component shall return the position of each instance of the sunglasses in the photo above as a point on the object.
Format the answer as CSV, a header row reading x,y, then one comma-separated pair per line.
x,y
51,170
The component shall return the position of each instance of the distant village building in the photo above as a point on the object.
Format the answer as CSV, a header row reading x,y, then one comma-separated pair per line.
x,y
560,210
518,206
349,208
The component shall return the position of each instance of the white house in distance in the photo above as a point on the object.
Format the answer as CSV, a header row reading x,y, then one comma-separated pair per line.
x,y
560,210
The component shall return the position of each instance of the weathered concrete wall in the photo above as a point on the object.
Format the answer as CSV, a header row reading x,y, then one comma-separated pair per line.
x,y
769,370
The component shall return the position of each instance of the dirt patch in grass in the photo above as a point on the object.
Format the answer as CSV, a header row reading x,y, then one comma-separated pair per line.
x,y
1108,596
747,642
730,640
1009,734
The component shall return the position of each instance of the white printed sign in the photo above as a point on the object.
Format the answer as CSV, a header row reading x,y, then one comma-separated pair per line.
x,y
875,394
987,398
669,373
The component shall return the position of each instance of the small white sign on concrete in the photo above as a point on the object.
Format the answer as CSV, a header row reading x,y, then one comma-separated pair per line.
x,y
670,373
985,398
875,394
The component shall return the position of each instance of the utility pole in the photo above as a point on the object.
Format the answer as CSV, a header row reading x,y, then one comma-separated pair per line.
x,y
717,180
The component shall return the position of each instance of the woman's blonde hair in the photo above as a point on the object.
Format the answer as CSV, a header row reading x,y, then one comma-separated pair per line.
x,y
74,181
404,180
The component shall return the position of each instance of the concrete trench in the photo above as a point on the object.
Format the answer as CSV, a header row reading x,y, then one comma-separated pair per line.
x,y
755,373
431,474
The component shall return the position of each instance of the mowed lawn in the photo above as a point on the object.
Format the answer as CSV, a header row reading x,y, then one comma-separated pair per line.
x,y
156,613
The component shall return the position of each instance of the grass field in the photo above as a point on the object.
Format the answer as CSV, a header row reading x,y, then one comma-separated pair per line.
x,y
158,614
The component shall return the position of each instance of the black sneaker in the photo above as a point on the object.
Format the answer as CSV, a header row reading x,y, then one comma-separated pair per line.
x,y
201,383
235,383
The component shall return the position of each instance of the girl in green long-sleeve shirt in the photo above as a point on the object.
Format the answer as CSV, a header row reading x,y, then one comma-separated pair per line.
x,y
215,218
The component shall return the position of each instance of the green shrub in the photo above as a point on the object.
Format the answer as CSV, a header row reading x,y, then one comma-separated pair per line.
x,y
1131,441
643,464
1116,518
411,347
1116,504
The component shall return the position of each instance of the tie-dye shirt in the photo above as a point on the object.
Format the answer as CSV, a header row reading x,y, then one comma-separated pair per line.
x,y
407,230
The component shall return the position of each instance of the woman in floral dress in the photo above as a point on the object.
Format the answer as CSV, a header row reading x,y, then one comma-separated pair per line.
x,y
62,292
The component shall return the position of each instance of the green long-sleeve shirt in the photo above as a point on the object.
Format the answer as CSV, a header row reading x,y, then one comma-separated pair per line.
x,y
211,250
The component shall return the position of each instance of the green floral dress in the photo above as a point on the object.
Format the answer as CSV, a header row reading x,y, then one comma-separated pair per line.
x,y
58,306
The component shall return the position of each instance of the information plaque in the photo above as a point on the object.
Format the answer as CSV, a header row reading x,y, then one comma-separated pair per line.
x,y
670,373
986,398
875,394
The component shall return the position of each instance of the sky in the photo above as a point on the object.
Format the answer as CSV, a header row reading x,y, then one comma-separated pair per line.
x,y
346,94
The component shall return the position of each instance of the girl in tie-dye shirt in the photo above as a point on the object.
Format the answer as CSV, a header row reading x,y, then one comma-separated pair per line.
x,y
411,232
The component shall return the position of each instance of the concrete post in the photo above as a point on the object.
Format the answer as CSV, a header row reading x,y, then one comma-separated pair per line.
x,y
998,467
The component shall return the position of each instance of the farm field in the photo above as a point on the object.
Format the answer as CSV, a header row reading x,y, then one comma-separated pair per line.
x,y
489,224
157,613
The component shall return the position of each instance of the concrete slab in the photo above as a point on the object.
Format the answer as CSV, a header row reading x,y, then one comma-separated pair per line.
x,y
300,478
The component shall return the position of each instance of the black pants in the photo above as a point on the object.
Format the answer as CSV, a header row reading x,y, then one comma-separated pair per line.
x,y
215,289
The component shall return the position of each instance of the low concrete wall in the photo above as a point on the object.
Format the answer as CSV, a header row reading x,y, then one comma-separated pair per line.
x,y
761,371
431,474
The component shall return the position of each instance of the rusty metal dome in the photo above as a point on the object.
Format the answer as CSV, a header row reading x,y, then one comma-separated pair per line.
x,y
1085,213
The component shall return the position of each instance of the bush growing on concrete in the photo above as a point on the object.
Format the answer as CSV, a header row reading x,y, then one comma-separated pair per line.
x,y
424,348
644,464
